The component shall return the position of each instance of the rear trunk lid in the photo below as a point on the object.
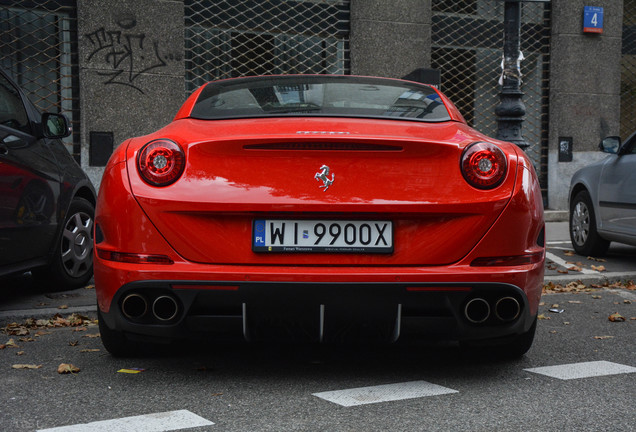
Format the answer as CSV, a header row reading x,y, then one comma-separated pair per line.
x,y
241,171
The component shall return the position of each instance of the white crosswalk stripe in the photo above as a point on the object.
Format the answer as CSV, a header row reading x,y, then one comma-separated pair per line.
x,y
158,422
384,393
583,370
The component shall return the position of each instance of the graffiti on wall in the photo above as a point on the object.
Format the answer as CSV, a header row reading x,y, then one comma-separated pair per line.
x,y
127,52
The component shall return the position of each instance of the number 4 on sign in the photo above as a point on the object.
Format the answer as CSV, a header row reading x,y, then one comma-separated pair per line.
x,y
592,19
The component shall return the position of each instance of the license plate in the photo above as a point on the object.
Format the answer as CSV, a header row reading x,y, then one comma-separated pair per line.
x,y
322,236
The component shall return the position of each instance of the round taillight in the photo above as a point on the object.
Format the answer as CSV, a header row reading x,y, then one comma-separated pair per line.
x,y
483,165
161,162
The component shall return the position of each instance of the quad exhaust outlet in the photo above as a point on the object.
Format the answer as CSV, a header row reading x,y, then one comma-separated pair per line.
x,y
164,307
134,306
478,310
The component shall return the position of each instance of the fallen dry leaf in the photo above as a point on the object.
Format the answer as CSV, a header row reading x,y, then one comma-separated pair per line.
x,y
90,350
11,344
574,302
596,259
73,343
603,337
598,268
575,268
26,366
20,353
80,329
543,317
66,368
569,253
616,317
63,307
91,335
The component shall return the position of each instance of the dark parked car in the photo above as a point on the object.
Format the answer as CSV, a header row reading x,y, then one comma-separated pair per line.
x,y
47,202
603,199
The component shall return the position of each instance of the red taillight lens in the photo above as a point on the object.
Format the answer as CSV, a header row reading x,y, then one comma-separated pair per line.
x,y
483,165
516,260
161,162
132,258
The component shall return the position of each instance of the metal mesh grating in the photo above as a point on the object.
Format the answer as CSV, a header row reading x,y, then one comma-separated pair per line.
x,y
628,70
230,38
37,38
467,48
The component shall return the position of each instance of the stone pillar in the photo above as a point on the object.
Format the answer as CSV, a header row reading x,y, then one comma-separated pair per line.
x,y
585,79
131,58
390,38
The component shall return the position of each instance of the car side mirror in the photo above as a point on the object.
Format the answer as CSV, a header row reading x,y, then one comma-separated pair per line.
x,y
55,126
610,144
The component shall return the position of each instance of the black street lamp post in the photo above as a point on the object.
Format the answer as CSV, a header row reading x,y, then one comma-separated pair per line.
x,y
511,110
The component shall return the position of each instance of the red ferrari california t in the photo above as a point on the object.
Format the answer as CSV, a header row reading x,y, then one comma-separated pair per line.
x,y
323,209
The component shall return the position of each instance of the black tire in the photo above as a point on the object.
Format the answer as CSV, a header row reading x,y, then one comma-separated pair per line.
x,y
583,234
72,263
115,341
510,350
520,345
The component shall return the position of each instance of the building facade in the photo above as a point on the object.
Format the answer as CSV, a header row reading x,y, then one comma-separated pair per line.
x,y
121,69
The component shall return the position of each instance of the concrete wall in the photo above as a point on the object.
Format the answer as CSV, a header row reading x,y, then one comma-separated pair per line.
x,y
390,38
131,56
585,82
131,69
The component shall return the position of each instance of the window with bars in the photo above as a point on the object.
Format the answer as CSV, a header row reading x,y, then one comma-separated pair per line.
x,y
628,70
37,42
467,48
231,38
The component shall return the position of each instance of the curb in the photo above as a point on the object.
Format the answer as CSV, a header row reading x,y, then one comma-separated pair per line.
x,y
556,215
17,315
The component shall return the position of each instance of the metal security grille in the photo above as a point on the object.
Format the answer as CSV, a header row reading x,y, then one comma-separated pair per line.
x,y
37,39
628,70
467,48
230,38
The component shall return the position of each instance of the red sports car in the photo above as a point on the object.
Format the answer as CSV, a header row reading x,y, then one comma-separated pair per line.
x,y
322,209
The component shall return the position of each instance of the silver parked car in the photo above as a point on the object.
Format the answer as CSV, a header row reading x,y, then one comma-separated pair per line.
x,y
603,199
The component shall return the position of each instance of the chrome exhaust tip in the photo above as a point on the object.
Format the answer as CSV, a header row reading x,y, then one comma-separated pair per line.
x,y
507,309
477,310
134,306
165,308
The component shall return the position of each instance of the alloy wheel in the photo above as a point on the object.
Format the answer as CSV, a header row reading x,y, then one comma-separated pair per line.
x,y
580,223
77,244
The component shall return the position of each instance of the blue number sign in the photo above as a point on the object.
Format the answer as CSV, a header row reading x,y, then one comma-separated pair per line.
x,y
592,19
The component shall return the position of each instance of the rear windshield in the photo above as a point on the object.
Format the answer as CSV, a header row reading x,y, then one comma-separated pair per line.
x,y
338,96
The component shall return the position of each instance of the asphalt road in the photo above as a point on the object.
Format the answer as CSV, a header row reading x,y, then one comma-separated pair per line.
x,y
591,383
564,266
299,388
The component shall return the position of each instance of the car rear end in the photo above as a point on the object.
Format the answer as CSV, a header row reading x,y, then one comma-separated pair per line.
x,y
318,229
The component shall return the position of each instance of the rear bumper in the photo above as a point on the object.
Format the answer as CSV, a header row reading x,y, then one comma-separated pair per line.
x,y
315,312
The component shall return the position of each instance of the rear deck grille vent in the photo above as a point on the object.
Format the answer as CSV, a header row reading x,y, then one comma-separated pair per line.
x,y
322,146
